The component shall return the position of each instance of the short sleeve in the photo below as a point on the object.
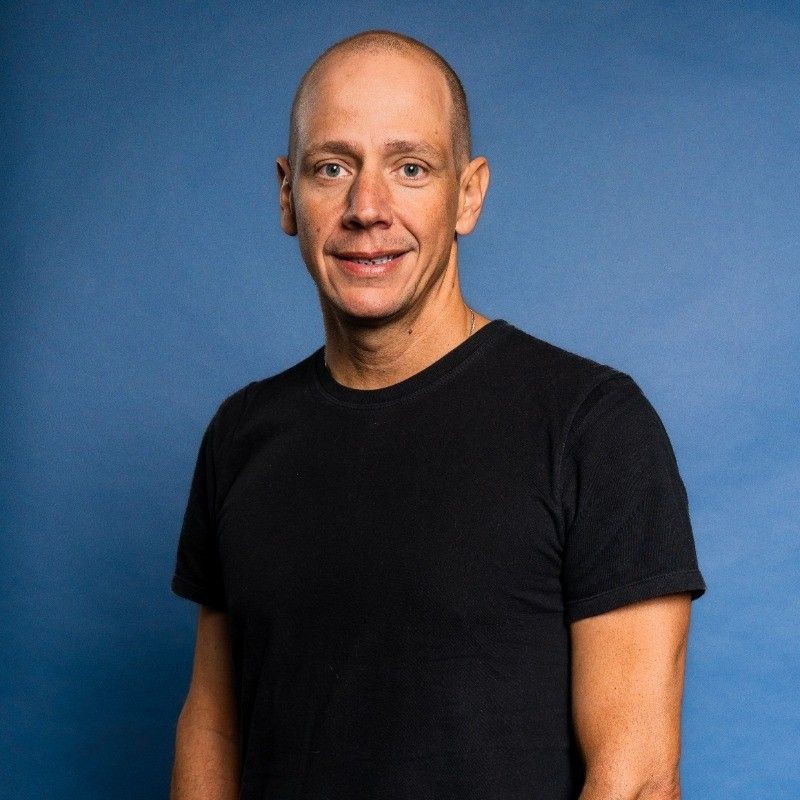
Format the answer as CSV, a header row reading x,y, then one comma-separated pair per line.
x,y
198,573
628,535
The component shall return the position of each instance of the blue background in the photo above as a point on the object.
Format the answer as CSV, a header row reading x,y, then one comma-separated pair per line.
x,y
643,211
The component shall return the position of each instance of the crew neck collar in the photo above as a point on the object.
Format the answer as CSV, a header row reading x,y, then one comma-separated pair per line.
x,y
443,366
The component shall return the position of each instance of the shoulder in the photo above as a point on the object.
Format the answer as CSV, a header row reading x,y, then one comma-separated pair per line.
x,y
560,379
587,405
256,397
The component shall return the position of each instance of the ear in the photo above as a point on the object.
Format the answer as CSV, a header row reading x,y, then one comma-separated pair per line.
x,y
288,220
473,186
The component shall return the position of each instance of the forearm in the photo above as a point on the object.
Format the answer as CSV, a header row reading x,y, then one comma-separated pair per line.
x,y
627,686
207,762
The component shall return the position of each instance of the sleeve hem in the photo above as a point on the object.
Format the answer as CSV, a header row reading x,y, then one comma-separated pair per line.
x,y
671,583
190,591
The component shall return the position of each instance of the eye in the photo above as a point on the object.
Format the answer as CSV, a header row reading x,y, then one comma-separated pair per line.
x,y
331,170
412,170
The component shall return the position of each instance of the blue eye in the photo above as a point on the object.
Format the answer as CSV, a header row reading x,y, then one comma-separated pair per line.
x,y
331,170
411,170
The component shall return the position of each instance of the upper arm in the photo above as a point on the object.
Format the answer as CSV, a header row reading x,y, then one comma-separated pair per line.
x,y
627,532
627,686
211,700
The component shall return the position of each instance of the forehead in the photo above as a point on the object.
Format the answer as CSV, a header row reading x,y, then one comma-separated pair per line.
x,y
376,95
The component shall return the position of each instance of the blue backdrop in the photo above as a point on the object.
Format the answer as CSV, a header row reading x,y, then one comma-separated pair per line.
x,y
643,211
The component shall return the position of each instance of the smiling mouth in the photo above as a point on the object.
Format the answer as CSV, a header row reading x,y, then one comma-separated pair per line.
x,y
362,265
378,260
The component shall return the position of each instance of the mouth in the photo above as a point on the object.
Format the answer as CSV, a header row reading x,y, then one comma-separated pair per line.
x,y
363,264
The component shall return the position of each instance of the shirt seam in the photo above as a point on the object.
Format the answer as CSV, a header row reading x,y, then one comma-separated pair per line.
x,y
319,389
177,578
189,590
628,586
608,374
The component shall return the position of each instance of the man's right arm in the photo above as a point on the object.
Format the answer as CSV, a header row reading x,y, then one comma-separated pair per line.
x,y
207,748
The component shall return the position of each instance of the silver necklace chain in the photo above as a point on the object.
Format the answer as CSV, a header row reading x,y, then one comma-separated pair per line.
x,y
471,329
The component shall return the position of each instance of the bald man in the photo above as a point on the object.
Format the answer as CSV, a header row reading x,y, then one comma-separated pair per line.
x,y
439,557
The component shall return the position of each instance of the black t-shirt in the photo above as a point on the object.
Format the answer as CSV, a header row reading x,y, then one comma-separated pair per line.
x,y
401,565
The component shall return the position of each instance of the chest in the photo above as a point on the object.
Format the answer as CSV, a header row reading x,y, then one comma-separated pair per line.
x,y
395,534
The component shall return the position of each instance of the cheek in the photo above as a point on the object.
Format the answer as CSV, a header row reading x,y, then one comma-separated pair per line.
x,y
435,218
308,239
311,224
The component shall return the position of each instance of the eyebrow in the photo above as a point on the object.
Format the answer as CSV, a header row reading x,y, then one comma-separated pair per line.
x,y
396,146
390,146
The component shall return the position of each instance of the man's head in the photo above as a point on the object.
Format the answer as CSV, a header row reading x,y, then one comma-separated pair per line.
x,y
379,171
378,42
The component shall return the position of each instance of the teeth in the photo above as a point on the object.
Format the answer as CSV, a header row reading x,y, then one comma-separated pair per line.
x,y
381,260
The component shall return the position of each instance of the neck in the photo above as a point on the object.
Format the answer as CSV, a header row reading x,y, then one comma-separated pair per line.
x,y
373,357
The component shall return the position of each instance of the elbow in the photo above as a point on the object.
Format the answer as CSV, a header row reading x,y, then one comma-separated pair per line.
x,y
664,786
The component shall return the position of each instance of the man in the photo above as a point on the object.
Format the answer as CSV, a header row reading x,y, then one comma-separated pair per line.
x,y
439,557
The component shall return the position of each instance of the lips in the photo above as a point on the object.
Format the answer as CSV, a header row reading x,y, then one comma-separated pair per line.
x,y
367,264
366,255
376,260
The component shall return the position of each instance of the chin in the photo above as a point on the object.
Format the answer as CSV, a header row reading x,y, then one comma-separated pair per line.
x,y
368,307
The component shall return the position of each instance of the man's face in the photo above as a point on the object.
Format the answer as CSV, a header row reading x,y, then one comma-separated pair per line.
x,y
375,180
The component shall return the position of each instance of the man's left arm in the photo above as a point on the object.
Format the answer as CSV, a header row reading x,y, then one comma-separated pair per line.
x,y
627,688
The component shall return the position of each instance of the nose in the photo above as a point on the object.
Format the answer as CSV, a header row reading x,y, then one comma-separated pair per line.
x,y
368,201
